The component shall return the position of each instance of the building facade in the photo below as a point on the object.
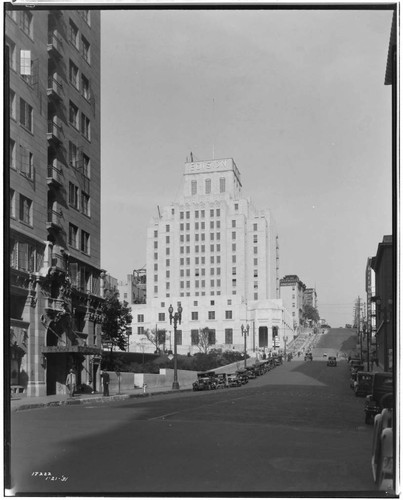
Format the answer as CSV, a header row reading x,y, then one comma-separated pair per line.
x,y
292,294
384,302
217,255
310,297
54,178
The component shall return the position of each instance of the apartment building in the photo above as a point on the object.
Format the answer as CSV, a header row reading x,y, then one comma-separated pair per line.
x,y
292,293
54,181
218,256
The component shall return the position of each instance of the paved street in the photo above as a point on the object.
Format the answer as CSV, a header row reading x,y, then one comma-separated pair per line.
x,y
298,428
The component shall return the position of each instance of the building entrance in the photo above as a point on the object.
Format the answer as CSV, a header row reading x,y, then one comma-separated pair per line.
x,y
263,336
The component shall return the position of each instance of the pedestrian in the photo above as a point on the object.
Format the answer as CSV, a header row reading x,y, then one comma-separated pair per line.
x,y
105,382
71,382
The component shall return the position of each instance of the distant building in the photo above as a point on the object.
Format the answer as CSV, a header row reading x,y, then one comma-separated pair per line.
x,y
292,294
133,290
310,297
53,180
217,255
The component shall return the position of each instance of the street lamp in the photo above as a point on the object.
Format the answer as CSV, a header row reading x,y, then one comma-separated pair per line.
x,y
176,317
285,347
245,333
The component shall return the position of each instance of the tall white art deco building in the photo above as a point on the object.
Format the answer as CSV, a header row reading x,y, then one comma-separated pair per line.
x,y
217,255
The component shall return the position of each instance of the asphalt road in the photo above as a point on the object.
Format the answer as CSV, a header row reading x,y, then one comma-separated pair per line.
x,y
296,429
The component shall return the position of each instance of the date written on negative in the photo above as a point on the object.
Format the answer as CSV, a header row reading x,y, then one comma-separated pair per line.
x,y
48,476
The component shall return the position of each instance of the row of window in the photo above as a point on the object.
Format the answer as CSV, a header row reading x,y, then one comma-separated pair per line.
x,y
79,160
80,240
201,225
81,84
195,334
25,256
79,121
25,208
23,158
80,43
78,202
207,186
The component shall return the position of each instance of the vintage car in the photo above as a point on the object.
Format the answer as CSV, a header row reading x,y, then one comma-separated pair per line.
x,y
205,382
382,395
243,376
357,368
308,356
363,383
382,457
233,380
221,380
353,379
331,361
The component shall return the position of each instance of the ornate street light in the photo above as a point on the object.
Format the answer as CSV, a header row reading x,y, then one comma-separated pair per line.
x,y
245,333
176,317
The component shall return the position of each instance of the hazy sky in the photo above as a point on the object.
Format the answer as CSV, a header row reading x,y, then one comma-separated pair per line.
x,y
299,104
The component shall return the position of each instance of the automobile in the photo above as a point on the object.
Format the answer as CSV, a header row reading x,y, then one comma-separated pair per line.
x,y
250,372
353,378
382,456
221,381
205,382
331,361
357,368
355,362
243,376
325,355
363,383
381,395
308,356
233,380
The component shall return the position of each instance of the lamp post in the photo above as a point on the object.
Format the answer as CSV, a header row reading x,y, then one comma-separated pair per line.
x,y
245,333
285,338
176,317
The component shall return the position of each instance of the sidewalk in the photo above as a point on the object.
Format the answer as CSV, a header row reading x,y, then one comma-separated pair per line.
x,y
18,403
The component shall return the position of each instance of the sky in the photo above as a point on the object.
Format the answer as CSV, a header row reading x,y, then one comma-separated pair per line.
x,y
295,97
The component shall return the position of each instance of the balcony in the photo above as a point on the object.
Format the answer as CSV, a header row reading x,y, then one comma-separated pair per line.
x,y
55,88
55,44
54,220
56,305
55,131
55,175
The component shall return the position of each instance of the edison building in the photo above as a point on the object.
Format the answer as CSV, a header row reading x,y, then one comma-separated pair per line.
x,y
53,181
217,255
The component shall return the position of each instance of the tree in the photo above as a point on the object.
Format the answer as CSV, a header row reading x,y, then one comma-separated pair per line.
x,y
156,336
205,340
311,313
116,320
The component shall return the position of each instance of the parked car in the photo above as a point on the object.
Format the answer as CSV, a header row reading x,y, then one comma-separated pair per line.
x,y
243,376
205,382
357,368
331,361
233,380
221,380
363,383
381,395
382,457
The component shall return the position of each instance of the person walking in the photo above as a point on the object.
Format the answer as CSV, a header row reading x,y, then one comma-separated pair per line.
x,y
105,382
71,382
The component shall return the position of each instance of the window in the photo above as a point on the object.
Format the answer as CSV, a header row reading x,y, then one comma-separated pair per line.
x,y
12,204
211,315
208,186
73,35
234,271
13,160
155,256
155,244
256,297
167,263
85,87
74,115
218,284
211,236
140,330
140,318
25,210
178,337
167,250
85,203
193,187
85,126
73,195
27,163
26,22
155,267
228,314
167,274
73,75
255,250
233,235
211,248
187,261
167,240
195,316
13,105
255,262
217,212
233,259
73,155
167,228
194,337
203,225
212,212
228,335
255,227
212,224
187,215
255,238
234,282
218,236
236,206
202,214
218,248
85,49
86,165
12,54
187,226
255,285
73,235
211,337
85,242
26,115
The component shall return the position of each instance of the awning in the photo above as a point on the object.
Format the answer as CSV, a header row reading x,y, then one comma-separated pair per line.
x,y
82,349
